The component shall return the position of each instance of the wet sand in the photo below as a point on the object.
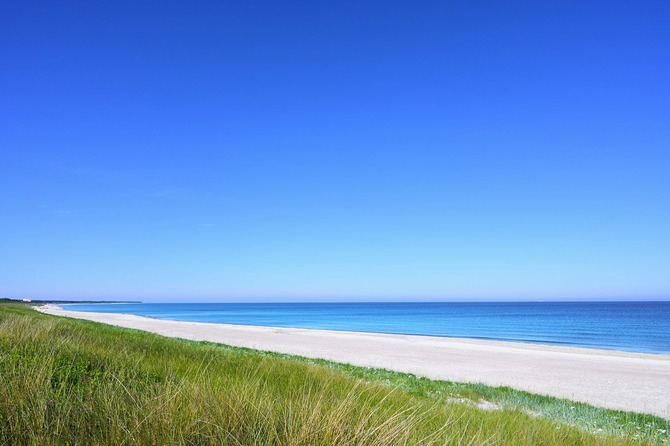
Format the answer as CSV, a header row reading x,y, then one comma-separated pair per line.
x,y
618,380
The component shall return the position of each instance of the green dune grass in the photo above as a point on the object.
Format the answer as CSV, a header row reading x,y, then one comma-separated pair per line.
x,y
66,381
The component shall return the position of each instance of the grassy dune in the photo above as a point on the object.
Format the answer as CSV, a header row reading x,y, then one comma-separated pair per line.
x,y
67,381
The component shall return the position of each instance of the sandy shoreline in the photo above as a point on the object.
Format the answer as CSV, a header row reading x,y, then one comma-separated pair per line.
x,y
618,380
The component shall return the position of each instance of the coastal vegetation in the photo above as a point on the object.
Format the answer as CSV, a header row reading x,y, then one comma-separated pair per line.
x,y
67,381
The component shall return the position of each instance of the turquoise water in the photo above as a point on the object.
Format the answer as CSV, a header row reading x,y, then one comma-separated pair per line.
x,y
628,326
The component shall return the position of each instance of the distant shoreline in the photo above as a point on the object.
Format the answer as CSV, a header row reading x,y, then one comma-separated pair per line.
x,y
638,327
67,302
628,381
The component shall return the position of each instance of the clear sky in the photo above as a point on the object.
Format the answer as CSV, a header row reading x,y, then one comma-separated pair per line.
x,y
335,150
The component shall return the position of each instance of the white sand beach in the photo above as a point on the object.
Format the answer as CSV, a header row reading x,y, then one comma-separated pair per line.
x,y
617,380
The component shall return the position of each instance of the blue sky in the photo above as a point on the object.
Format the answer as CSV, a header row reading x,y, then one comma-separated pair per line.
x,y
335,150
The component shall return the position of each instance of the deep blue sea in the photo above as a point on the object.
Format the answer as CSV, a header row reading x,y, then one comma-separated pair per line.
x,y
628,326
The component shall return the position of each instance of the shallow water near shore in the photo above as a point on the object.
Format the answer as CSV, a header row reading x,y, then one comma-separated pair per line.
x,y
627,326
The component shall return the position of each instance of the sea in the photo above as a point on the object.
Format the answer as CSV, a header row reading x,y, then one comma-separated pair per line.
x,y
626,326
